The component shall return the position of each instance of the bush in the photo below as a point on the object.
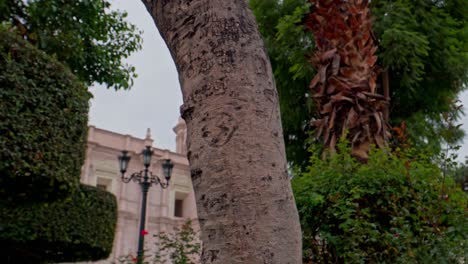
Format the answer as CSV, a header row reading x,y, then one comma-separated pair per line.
x,y
182,246
391,210
78,229
43,124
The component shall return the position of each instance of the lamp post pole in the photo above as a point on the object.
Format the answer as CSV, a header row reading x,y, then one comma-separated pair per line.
x,y
145,185
145,178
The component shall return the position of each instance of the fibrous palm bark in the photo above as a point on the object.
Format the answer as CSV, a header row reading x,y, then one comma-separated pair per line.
x,y
235,145
344,88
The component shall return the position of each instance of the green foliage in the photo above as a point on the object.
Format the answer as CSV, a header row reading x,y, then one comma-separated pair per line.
x,y
84,34
287,44
423,44
391,210
43,123
460,176
405,50
78,229
44,215
180,247
7,8
454,169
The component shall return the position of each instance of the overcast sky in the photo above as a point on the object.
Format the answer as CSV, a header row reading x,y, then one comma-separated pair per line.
x,y
155,98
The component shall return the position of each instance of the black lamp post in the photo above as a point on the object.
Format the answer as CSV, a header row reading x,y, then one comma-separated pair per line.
x,y
145,178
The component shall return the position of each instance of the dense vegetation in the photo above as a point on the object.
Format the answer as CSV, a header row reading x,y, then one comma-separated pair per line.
x,y
86,36
44,215
422,44
43,123
399,207
80,228
395,209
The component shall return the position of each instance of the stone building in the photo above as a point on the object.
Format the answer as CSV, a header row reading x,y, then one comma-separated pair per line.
x,y
167,208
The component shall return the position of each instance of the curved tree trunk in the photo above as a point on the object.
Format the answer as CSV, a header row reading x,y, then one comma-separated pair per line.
x,y
235,144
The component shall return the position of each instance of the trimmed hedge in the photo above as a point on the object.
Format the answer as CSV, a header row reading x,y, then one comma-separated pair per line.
x,y
43,124
78,229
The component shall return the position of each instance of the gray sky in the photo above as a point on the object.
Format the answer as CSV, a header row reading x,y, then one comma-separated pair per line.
x,y
464,120
155,98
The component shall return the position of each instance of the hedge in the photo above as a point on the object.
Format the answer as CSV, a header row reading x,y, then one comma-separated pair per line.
x,y
43,124
80,228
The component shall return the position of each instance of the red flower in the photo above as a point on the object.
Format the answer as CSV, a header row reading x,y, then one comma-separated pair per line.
x,y
144,232
396,235
134,259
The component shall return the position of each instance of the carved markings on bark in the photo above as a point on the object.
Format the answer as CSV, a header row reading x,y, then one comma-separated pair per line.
x,y
235,148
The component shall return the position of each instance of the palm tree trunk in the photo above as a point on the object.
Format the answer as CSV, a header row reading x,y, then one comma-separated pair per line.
x,y
235,145
345,87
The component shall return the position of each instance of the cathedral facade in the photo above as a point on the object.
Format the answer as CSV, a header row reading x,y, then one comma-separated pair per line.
x,y
166,209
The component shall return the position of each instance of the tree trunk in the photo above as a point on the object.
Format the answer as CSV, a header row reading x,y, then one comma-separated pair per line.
x,y
344,88
235,142
386,92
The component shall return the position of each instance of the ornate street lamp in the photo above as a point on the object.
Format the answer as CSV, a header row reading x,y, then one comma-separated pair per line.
x,y
145,178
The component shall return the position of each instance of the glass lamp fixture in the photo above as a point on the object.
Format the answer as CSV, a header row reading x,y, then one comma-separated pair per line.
x,y
124,159
167,169
147,153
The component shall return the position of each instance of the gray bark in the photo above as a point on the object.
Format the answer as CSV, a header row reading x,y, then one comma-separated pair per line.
x,y
235,142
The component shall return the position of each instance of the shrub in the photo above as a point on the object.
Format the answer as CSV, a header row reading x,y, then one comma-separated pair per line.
x,y
80,228
182,246
43,123
391,210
